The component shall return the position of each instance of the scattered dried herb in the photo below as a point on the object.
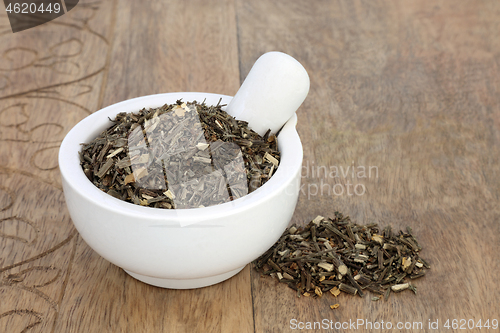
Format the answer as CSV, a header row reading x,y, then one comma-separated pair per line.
x,y
337,255
182,155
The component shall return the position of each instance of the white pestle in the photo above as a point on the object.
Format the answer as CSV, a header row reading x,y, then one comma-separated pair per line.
x,y
273,90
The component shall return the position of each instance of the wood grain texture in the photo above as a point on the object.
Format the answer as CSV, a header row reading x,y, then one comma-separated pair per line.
x,y
406,94
184,46
412,90
173,52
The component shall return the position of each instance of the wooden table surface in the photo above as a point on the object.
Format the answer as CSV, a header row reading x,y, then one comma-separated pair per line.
x,y
408,88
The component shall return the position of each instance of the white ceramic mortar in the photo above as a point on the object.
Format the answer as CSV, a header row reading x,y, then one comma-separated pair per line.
x,y
184,248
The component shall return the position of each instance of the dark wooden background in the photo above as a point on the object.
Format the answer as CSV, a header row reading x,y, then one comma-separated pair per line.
x,y
409,88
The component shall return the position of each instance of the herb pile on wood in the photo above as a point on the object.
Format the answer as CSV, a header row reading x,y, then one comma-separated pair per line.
x,y
336,255
182,155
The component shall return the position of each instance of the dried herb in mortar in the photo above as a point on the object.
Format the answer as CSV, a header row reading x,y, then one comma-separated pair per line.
x,y
182,155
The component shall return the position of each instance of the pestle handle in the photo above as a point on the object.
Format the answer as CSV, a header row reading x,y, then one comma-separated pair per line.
x,y
273,90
